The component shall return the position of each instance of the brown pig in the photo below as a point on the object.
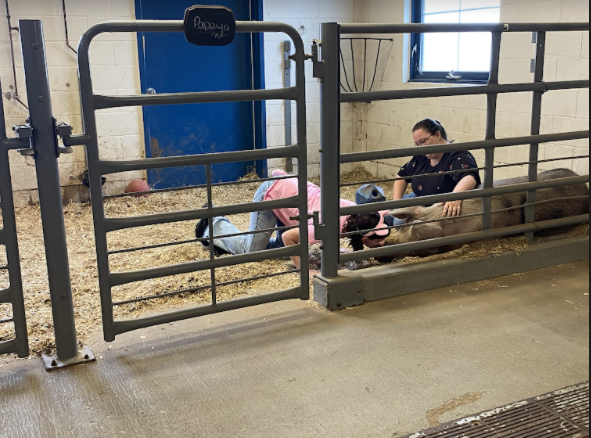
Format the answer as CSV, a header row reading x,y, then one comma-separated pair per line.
x,y
455,226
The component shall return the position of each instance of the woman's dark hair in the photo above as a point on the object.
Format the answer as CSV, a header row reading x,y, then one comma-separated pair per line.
x,y
431,126
360,222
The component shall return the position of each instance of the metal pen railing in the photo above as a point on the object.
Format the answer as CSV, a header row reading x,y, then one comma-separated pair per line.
x,y
97,168
12,295
332,157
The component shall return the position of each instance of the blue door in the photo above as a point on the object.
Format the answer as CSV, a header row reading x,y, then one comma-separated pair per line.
x,y
169,64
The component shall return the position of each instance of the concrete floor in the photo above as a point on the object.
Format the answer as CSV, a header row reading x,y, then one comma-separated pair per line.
x,y
294,370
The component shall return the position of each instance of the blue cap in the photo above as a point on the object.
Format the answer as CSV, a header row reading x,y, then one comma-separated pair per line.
x,y
370,193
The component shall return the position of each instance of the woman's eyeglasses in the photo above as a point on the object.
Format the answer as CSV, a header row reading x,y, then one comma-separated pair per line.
x,y
424,141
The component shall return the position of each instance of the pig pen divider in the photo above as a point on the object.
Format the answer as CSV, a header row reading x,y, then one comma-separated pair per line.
x,y
97,168
328,230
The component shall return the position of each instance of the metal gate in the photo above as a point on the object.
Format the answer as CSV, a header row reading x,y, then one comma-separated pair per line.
x,y
97,169
332,97
12,295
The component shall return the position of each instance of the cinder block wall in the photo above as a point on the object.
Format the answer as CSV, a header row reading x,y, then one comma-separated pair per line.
x,y
115,71
305,15
388,125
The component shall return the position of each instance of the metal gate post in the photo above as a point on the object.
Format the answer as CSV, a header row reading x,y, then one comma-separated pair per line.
x,y
287,103
491,128
536,123
330,171
50,196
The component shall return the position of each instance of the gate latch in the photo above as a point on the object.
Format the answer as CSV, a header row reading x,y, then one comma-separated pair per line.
x,y
25,134
64,131
319,230
319,66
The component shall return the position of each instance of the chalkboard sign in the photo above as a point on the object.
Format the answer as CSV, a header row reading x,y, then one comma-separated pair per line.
x,y
210,25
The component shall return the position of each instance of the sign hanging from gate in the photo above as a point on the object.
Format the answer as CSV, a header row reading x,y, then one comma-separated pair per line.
x,y
210,26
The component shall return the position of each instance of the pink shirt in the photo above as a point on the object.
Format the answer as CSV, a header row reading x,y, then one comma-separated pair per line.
x,y
288,188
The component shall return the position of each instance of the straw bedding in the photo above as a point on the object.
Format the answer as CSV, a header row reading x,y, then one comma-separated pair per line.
x,y
80,235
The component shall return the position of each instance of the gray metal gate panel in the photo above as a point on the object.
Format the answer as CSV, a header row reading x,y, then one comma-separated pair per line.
x,y
331,153
97,168
8,238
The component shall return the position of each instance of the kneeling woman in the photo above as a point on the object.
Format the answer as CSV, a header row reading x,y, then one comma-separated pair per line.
x,y
268,220
465,176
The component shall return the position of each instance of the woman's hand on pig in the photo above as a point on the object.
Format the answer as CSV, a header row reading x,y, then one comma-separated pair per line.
x,y
452,209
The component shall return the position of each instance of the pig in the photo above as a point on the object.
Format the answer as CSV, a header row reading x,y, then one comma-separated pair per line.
x,y
450,227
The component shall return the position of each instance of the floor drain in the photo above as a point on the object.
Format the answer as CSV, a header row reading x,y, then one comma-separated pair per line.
x,y
560,414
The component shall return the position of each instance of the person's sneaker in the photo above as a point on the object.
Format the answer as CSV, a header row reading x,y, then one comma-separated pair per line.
x,y
200,230
202,227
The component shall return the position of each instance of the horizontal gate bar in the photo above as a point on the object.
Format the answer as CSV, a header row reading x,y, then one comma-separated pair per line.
x,y
189,215
179,26
8,347
202,288
473,194
407,248
460,147
109,167
122,278
204,186
374,96
16,143
186,242
6,296
373,29
127,326
104,102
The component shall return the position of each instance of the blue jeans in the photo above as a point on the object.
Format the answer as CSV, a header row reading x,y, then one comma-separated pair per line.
x,y
260,220
399,222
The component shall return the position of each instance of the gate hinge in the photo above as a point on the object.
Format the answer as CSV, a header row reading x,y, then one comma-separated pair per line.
x,y
25,134
319,66
64,131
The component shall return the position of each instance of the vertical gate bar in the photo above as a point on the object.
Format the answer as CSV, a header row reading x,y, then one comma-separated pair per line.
x,y
287,103
365,65
214,298
12,254
96,189
491,128
534,153
330,173
50,195
11,243
302,138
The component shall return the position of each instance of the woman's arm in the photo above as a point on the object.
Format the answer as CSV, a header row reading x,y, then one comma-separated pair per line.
x,y
290,238
454,208
400,187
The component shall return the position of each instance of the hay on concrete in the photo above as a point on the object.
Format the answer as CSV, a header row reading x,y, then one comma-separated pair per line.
x,y
80,235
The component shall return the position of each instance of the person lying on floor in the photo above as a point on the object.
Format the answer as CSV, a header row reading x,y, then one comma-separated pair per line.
x,y
268,220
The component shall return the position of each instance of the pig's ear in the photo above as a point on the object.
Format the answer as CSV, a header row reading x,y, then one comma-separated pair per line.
x,y
406,214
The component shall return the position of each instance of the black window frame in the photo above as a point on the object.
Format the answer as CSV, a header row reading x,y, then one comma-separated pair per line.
x,y
417,40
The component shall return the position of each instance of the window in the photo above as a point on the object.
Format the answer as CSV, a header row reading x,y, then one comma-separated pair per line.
x,y
453,57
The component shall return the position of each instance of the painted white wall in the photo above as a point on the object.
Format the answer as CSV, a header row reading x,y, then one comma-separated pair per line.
x,y
389,124
114,60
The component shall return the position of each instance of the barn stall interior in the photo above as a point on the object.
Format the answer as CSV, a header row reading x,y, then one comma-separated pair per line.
x,y
130,131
